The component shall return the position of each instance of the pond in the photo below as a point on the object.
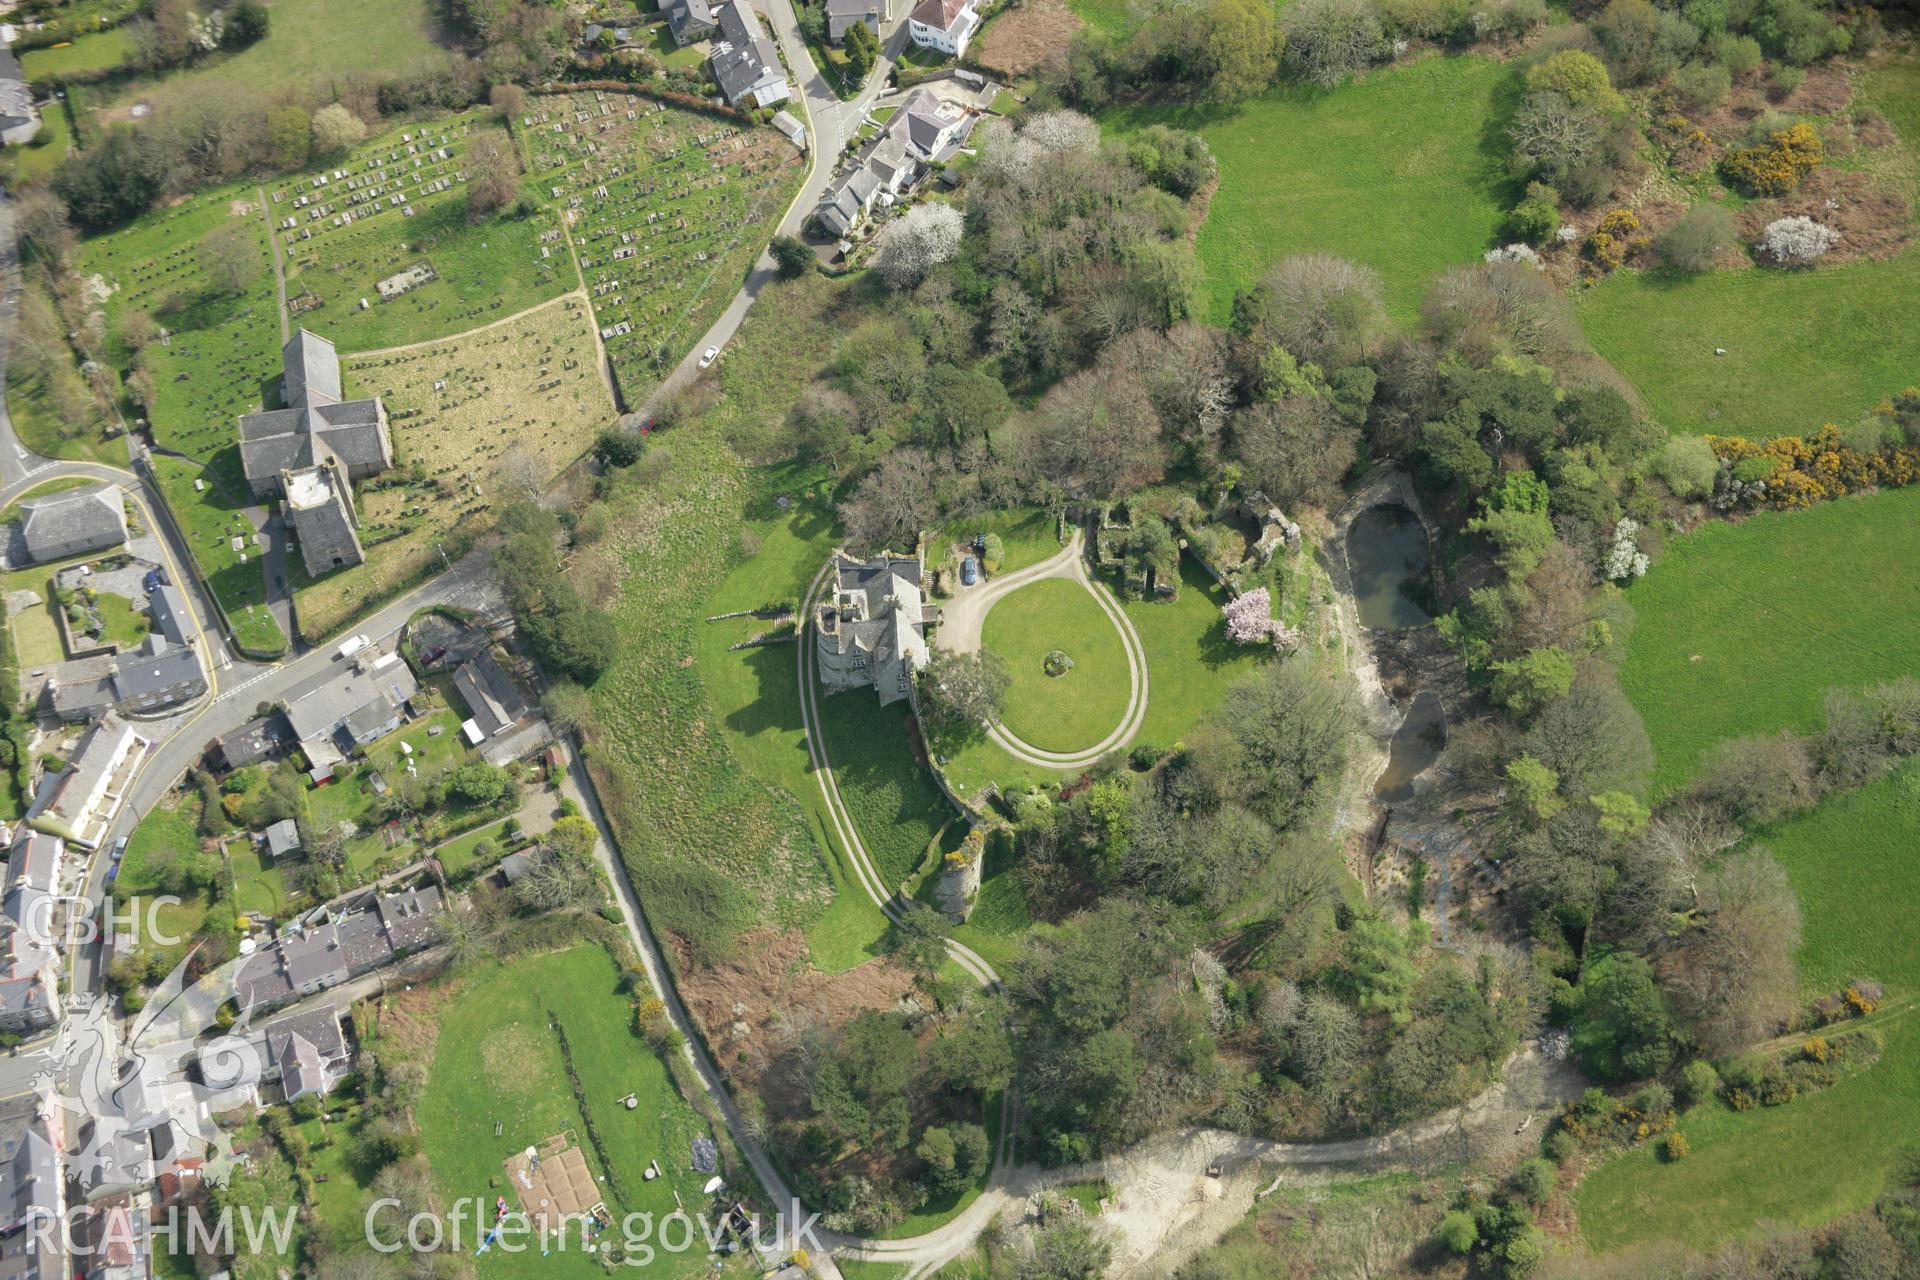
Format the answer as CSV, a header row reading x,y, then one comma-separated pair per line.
x,y
1416,744
1387,555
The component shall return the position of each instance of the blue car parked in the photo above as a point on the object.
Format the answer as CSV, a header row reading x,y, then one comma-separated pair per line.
x,y
969,571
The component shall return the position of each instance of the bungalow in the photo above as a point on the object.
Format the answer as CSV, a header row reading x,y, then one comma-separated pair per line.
x,y
943,25
690,21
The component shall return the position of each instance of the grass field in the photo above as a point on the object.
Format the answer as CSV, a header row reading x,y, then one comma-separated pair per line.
x,y
498,1060
47,152
475,419
1803,347
1401,171
403,204
1113,17
221,349
1851,862
211,519
1743,627
1069,712
309,40
88,53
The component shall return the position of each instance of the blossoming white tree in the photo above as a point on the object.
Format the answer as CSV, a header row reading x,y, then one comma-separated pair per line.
x,y
916,242
1625,559
1797,241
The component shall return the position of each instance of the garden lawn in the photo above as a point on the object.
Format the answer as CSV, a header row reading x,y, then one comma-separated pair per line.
x,y
1069,712
1190,666
1742,628
211,518
36,634
498,1061
164,834
459,855
1803,347
88,53
1401,170
47,151
339,1202
259,885
1026,534
1190,662
121,625
1852,866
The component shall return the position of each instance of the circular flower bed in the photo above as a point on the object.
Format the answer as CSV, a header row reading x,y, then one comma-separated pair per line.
x,y
1057,662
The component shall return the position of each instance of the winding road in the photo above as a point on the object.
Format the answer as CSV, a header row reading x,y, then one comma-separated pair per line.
x,y
963,618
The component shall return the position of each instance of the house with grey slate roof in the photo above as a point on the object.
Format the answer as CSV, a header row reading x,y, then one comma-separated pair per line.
x,y
367,931
492,695
33,1191
843,14
72,522
79,802
872,632
311,452
690,21
350,711
745,64
925,131
307,1053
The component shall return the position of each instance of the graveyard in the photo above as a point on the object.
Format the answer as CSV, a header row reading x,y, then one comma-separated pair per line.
x,y
667,208
490,415
379,248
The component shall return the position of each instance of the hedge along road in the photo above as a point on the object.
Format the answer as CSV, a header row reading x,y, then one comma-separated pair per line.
x,y
963,618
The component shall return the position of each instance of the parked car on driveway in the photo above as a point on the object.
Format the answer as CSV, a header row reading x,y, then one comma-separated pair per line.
x,y
969,571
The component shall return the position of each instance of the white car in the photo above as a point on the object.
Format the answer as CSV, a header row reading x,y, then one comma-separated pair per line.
x,y
353,645
708,356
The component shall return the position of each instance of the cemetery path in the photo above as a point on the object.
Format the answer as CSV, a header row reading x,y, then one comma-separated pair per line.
x,y
578,294
279,265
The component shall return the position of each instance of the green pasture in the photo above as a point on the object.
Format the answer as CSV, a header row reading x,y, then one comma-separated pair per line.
x,y
1402,170
1742,628
1803,348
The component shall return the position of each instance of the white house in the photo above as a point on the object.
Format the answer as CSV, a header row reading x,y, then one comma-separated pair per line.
x,y
945,25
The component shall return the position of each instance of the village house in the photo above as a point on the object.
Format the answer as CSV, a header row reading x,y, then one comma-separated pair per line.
x,y
33,1190
925,131
943,25
842,15
364,932
79,802
358,707
72,522
29,972
872,633
690,21
745,64
311,453
164,671
19,115
307,1053
493,697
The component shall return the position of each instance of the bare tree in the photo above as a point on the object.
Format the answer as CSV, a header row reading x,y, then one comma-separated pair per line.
x,y
553,883
1325,309
493,175
1328,40
1325,1041
892,505
1732,975
520,474
1295,449
1096,435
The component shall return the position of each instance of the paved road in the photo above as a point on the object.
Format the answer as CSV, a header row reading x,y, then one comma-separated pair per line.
x,y
963,617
